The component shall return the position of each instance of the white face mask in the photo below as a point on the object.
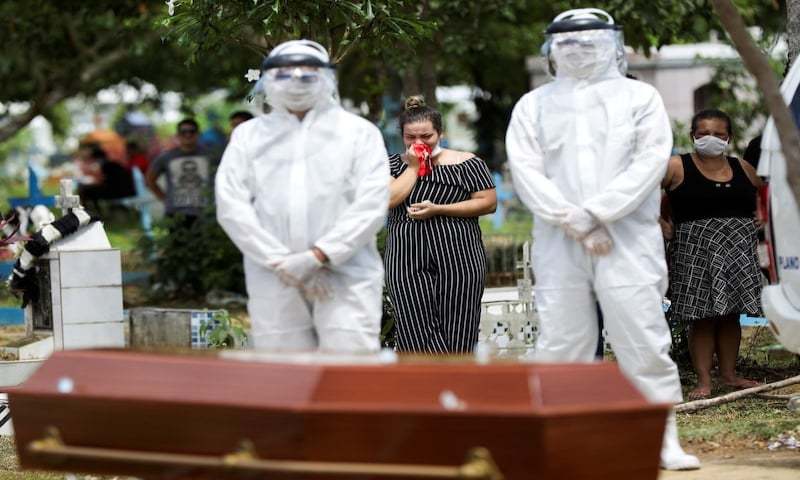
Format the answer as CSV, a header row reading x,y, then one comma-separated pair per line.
x,y
710,146
436,150
295,95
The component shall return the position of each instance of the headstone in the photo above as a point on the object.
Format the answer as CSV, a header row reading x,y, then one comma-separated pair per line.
x,y
80,282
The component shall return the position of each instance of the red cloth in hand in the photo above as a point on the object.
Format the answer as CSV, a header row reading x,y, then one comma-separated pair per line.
x,y
423,152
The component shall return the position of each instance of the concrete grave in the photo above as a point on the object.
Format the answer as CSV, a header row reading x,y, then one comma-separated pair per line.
x,y
168,327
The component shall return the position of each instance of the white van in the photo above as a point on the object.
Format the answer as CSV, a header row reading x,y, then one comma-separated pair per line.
x,y
778,207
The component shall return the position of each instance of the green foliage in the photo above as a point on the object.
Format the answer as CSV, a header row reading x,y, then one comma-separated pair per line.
x,y
17,144
57,50
681,141
221,332
205,26
733,91
192,258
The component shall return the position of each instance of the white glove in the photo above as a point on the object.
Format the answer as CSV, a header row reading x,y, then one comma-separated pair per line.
x,y
319,287
577,223
598,242
295,269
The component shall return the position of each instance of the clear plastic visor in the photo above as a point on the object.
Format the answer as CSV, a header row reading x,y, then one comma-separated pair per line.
x,y
302,74
594,40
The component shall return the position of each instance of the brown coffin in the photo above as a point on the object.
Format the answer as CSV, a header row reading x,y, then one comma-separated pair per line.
x,y
537,421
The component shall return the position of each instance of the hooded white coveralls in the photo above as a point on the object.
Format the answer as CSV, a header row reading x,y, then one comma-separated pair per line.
x,y
604,145
286,185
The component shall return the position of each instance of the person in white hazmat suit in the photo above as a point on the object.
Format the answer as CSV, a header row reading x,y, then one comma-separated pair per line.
x,y
587,152
302,191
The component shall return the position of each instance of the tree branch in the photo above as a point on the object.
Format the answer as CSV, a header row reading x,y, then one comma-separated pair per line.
x,y
757,64
710,402
74,39
51,97
37,106
99,66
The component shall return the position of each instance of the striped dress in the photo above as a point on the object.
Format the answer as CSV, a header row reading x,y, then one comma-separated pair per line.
x,y
436,268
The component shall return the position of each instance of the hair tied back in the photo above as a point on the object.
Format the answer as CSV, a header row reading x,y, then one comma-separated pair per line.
x,y
414,102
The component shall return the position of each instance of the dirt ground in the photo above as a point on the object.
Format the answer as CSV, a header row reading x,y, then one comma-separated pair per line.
x,y
743,465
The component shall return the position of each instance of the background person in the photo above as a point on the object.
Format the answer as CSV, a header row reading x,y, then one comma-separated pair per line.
x,y
435,260
714,272
587,152
109,180
188,170
302,191
238,117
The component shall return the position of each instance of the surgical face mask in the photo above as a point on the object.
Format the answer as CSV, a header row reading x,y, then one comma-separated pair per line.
x,y
710,146
436,150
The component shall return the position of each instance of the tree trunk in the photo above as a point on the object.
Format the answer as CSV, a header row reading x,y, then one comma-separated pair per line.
x,y
793,28
410,81
757,64
428,74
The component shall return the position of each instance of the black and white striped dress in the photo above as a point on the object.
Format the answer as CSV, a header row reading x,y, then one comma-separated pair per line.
x,y
436,268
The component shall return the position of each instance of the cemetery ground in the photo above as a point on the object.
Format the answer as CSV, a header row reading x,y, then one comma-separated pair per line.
x,y
732,440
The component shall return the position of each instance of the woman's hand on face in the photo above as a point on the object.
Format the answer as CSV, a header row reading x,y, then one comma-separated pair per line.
x,y
423,210
412,159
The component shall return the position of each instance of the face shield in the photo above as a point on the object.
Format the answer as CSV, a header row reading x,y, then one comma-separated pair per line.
x,y
297,76
581,45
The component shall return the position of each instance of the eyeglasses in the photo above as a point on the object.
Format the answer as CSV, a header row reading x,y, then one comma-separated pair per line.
x,y
301,74
187,132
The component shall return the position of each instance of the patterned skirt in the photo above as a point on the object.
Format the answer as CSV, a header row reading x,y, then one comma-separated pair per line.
x,y
713,269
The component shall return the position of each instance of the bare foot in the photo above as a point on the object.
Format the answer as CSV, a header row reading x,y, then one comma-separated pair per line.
x,y
700,392
740,383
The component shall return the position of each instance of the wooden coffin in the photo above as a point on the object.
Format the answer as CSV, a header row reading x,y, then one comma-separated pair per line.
x,y
170,416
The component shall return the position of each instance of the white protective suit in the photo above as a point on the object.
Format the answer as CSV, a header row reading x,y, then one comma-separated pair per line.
x,y
286,185
595,140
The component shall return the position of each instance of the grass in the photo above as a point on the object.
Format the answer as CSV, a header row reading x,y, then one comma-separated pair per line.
x,y
518,224
9,468
751,420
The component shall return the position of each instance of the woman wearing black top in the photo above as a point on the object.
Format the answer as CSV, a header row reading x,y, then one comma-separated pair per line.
x,y
435,261
714,273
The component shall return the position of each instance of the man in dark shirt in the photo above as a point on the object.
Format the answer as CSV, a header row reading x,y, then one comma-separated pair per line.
x,y
188,171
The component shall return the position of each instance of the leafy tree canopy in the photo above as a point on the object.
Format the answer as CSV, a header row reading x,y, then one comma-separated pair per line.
x,y
57,50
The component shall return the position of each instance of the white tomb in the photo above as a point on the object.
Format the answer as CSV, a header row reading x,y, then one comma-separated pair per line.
x,y
80,282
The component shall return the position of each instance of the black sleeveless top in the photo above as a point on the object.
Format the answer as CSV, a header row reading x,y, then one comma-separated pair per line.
x,y
699,197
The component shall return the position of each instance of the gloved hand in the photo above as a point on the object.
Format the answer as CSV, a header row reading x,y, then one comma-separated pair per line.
x,y
577,223
598,242
319,286
295,269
